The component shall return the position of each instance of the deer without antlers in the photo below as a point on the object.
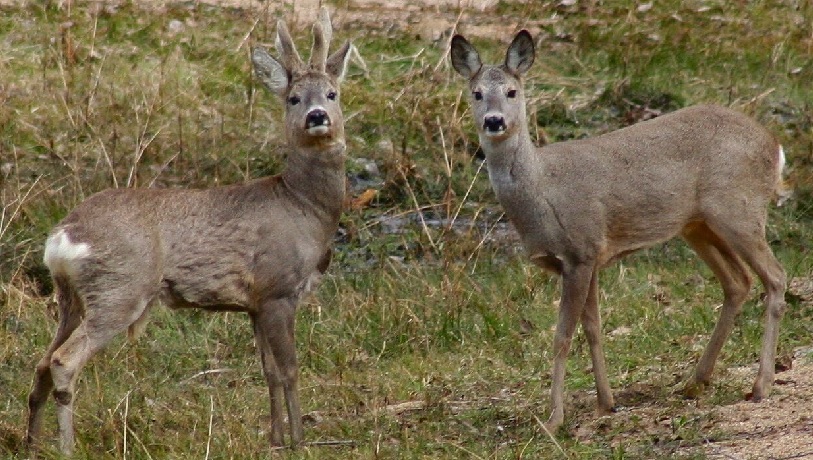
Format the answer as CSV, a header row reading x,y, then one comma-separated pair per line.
x,y
704,173
256,248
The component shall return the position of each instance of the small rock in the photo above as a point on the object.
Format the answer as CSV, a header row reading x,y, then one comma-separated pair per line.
x,y
175,26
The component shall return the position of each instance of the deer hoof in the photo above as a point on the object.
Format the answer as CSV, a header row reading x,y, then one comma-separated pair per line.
x,y
694,389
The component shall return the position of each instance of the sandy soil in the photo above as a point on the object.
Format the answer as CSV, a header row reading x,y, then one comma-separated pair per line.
x,y
780,428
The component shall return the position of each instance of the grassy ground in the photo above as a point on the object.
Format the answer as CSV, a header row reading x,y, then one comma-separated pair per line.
x,y
423,341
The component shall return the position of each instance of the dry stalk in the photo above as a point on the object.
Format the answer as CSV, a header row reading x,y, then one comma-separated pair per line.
x,y
476,250
141,143
109,163
6,223
332,443
337,442
140,443
447,167
140,148
211,418
447,45
467,451
250,30
375,222
468,191
206,372
550,435
417,208
95,86
125,427
355,56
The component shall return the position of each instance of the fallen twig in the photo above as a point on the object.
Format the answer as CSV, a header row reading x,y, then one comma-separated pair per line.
x,y
207,372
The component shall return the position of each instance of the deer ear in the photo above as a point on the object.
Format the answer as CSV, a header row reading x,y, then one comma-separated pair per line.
x,y
520,55
270,72
336,64
465,59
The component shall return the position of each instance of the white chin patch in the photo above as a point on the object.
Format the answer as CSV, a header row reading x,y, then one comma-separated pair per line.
x,y
499,133
320,130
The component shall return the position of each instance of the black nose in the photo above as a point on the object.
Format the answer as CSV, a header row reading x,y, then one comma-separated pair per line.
x,y
317,117
494,123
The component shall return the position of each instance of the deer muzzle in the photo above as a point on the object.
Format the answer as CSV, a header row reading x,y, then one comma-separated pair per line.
x,y
317,122
494,124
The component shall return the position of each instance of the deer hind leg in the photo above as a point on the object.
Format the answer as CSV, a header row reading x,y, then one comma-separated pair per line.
x,y
274,331
575,287
591,323
101,324
774,279
70,315
751,246
733,276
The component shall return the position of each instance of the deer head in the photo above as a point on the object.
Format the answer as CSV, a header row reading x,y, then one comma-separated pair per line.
x,y
313,116
498,101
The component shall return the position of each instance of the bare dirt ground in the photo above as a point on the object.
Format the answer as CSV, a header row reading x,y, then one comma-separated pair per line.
x,y
427,19
780,428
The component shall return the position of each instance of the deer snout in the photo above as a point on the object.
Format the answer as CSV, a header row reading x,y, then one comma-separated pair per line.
x,y
317,121
494,123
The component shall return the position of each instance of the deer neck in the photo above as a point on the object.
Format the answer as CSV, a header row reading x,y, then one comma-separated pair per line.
x,y
315,176
508,159
516,173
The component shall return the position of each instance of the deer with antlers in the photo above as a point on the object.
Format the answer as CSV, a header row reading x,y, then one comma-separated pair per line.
x,y
256,248
704,173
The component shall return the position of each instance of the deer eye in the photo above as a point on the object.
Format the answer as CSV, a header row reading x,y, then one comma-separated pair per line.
x,y
294,100
331,95
512,93
478,96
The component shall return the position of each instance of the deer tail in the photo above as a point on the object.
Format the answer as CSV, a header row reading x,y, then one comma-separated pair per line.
x,y
782,189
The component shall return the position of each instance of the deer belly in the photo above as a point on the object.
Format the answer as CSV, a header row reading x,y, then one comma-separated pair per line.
x,y
548,262
219,290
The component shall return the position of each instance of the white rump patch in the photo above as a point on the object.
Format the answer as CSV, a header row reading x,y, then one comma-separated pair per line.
x,y
61,253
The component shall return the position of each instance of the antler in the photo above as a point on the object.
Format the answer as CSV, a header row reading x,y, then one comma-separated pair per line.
x,y
322,34
319,49
286,48
327,28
